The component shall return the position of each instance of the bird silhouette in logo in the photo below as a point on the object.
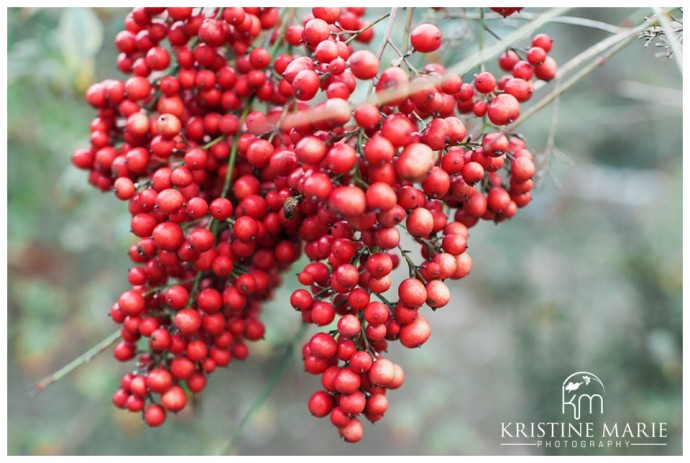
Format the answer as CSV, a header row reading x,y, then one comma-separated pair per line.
x,y
572,387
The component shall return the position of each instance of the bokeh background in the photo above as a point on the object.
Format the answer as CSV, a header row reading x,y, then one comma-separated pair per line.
x,y
588,277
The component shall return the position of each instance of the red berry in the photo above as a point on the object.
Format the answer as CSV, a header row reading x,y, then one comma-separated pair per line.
x,y
484,82
536,56
420,222
426,38
412,292
154,415
543,41
382,372
174,399
414,162
188,321
504,109
546,70
349,201
323,346
320,404
416,333
364,64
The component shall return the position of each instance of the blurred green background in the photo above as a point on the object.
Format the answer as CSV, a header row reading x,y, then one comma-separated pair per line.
x,y
588,277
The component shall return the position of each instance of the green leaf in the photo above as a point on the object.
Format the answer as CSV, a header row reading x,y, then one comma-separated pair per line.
x,y
80,35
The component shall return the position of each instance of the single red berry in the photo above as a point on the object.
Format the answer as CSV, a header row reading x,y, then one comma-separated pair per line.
x,y
546,70
364,64
323,346
174,399
504,109
543,41
154,415
412,292
438,294
415,162
168,236
188,321
484,82
426,38
382,372
416,333
420,222
320,404
159,380
536,56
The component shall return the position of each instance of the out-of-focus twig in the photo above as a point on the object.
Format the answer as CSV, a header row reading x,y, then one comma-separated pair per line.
x,y
673,42
86,357
526,16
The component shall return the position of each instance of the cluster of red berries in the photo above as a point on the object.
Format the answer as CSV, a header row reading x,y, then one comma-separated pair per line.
x,y
236,158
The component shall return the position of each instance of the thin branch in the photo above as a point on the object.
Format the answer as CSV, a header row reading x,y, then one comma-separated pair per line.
x,y
233,151
367,27
571,20
550,147
86,357
409,13
261,399
403,58
387,34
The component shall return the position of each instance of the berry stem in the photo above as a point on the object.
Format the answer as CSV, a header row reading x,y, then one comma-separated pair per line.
x,y
261,399
384,43
368,26
156,289
384,300
213,142
233,151
403,58
414,271
364,341
86,357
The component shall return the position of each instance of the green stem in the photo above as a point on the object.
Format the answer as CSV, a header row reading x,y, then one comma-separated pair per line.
x,y
233,151
213,142
86,357
384,300
414,271
266,392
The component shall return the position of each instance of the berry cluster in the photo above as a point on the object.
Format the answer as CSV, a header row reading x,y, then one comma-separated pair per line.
x,y
237,147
